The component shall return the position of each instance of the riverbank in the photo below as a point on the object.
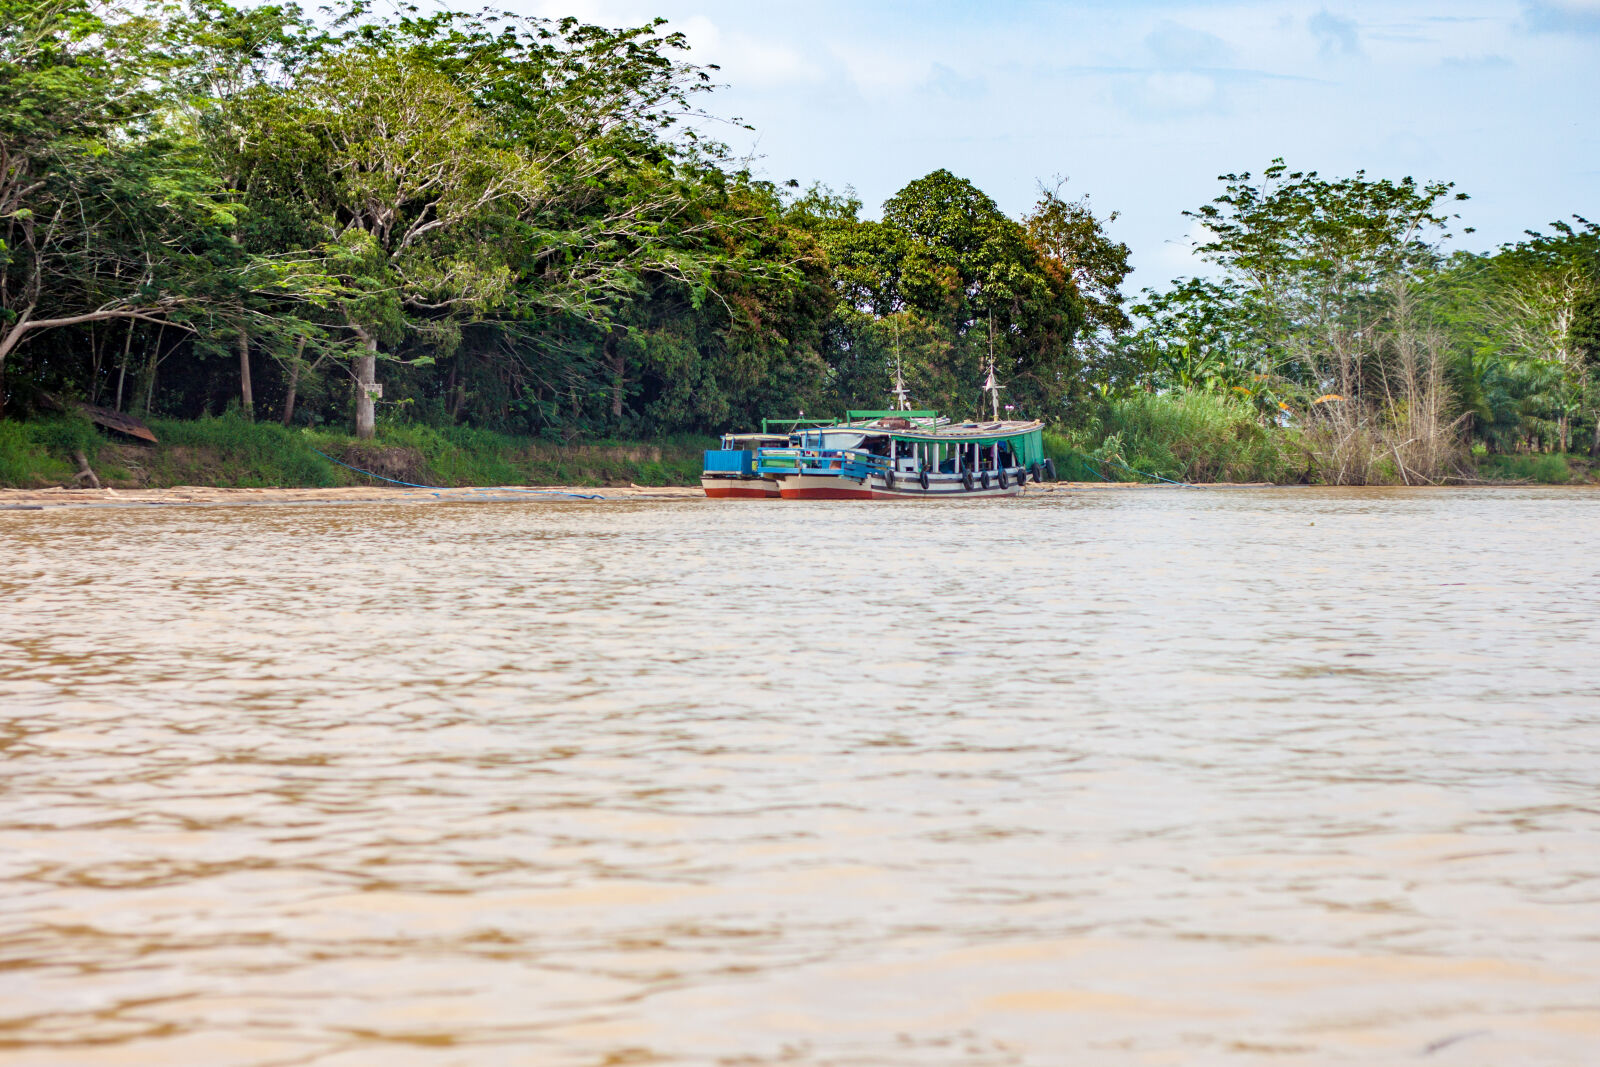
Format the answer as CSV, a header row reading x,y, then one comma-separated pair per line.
x,y
203,495
231,452
52,499
211,496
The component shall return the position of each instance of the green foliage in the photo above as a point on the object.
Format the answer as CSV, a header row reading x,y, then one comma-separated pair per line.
x,y
65,434
514,216
230,450
234,451
1549,469
1184,436
1071,235
25,461
40,451
944,280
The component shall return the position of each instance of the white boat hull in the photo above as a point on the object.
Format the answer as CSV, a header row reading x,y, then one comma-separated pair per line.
x,y
723,487
906,487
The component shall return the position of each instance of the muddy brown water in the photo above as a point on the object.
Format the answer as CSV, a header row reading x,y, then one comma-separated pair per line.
x,y
1181,777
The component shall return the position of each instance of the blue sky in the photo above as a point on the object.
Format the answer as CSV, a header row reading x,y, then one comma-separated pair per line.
x,y
1142,105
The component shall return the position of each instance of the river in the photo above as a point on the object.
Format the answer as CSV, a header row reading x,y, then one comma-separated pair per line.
x,y
1166,777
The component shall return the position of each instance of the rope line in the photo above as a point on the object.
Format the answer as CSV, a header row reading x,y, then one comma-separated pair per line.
x,y
1157,477
470,488
1087,463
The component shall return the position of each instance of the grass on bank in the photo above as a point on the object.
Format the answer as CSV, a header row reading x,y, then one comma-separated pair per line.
x,y
1187,437
1545,469
231,451
1193,437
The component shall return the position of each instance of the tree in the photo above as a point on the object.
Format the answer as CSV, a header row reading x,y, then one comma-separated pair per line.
x,y
106,210
945,278
1320,258
1069,232
456,168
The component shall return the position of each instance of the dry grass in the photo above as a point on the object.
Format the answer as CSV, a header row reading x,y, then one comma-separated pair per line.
x,y
1386,416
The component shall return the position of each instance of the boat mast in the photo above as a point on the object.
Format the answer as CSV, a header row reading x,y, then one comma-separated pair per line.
x,y
991,386
902,399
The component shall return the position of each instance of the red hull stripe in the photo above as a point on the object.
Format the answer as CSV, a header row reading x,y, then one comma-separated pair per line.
x,y
824,493
722,493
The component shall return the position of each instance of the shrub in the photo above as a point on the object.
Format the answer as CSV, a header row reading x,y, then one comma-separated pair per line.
x,y
1184,436
231,450
1549,469
40,452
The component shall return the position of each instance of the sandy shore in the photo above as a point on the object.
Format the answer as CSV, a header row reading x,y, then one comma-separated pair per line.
x,y
31,499
200,495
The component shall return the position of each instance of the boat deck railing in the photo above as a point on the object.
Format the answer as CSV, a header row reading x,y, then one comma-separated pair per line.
x,y
845,462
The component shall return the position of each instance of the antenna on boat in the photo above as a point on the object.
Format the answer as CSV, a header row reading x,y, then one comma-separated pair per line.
x,y
991,386
902,399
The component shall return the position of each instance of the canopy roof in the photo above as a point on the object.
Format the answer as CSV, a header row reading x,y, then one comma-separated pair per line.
x,y
779,438
927,426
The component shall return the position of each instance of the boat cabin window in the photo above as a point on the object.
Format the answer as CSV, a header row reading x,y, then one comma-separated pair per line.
x,y
832,441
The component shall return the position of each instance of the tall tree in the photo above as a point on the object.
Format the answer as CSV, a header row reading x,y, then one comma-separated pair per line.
x,y
106,208
947,278
458,168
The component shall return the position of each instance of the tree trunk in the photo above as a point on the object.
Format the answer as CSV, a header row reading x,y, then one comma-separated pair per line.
x,y
294,381
155,365
97,348
453,390
122,371
366,390
150,384
247,400
618,365
85,474
1594,445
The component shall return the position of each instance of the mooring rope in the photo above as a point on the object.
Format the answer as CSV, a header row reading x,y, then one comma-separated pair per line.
x,y
470,488
1131,470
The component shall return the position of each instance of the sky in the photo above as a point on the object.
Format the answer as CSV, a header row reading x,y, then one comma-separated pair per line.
x,y
1141,105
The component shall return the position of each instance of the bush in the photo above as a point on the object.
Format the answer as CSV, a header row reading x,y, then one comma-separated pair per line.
x,y
39,452
1549,469
1184,436
230,450
64,435
22,459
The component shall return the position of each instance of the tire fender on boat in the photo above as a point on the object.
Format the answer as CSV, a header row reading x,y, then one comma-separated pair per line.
x,y
1022,476
966,480
1005,483
922,479
1037,470
1050,468
984,478
888,478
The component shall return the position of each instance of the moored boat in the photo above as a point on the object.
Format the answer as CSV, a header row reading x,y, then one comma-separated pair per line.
x,y
730,471
907,455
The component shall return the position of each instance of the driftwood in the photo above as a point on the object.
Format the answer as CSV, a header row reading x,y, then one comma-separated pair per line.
x,y
85,474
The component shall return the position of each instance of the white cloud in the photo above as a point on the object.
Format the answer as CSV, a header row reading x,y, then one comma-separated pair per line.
x,y
879,69
1144,105
1181,47
1170,93
1335,34
761,64
1562,16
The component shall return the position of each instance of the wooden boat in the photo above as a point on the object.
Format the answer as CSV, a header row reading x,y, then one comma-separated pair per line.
x,y
907,455
730,471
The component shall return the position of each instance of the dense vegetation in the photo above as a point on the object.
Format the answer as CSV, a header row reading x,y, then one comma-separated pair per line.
x,y
1336,316
523,229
